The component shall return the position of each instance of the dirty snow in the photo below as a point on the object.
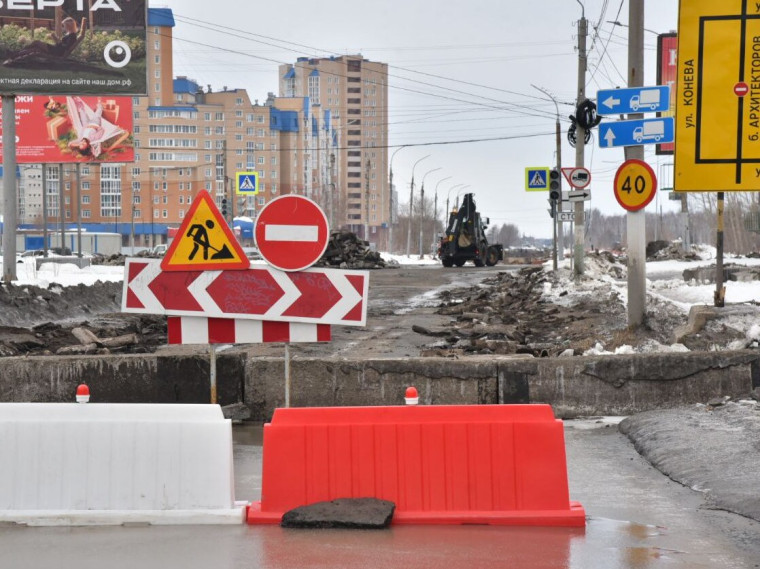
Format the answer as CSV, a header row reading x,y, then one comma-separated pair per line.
x,y
665,286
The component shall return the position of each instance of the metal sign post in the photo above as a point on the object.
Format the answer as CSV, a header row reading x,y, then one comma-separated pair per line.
x,y
9,188
287,374
212,371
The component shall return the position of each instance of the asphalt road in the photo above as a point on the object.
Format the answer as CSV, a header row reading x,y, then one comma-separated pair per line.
x,y
637,518
398,298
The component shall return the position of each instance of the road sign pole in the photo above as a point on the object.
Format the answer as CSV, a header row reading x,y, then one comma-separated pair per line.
x,y
287,374
720,290
9,188
636,220
578,241
559,236
212,371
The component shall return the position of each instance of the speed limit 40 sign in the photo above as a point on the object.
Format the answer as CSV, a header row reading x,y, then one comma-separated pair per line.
x,y
635,185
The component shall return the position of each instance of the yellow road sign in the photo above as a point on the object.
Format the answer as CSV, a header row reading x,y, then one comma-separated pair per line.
x,y
204,241
717,144
635,185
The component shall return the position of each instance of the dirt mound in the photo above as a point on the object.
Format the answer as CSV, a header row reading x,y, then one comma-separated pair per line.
x,y
29,305
509,314
346,251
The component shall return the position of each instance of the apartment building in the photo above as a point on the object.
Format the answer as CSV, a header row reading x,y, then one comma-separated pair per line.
x,y
351,94
187,138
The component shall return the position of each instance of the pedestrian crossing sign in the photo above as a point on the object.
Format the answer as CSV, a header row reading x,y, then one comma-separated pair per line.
x,y
537,179
247,183
204,241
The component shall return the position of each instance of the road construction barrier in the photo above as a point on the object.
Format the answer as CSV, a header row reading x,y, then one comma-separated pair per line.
x,y
75,464
484,464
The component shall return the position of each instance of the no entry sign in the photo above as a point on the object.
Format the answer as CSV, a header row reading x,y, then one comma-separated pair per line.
x,y
291,233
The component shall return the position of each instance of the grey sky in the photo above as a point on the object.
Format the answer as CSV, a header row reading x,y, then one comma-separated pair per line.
x,y
459,71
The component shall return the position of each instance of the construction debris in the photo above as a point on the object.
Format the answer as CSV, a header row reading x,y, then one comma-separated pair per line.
x,y
346,251
104,334
507,315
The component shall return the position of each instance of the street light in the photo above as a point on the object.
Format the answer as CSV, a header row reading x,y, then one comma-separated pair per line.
x,y
390,201
459,193
422,203
556,222
448,211
617,23
411,203
435,206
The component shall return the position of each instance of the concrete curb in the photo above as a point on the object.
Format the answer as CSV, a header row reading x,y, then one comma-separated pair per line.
x,y
582,386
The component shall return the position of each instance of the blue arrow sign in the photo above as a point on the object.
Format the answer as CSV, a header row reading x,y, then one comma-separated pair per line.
x,y
633,100
633,133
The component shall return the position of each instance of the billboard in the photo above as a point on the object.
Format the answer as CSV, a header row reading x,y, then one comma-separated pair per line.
x,y
75,47
66,129
667,73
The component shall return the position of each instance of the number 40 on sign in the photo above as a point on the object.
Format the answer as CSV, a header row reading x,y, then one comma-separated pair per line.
x,y
635,185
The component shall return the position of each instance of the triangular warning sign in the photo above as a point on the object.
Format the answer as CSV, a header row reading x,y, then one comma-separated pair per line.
x,y
246,183
204,241
538,180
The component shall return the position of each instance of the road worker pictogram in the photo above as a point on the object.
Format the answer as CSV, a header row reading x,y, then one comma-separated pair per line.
x,y
204,241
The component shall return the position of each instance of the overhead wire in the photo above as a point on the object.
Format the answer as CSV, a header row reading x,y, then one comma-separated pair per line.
x,y
250,36
604,50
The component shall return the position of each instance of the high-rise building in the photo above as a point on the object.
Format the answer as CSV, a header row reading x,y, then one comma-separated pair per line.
x,y
351,94
187,138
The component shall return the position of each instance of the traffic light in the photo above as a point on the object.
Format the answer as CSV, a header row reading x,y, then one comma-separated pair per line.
x,y
224,206
554,184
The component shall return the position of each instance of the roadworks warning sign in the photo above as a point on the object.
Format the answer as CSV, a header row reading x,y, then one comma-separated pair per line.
x,y
204,241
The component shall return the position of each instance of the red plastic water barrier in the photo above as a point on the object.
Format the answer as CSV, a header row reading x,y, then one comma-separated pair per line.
x,y
492,464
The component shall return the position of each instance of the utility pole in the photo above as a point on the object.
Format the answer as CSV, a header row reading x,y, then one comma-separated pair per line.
x,y
10,203
79,214
559,236
636,220
366,200
44,211
422,206
580,221
61,209
435,209
390,201
411,208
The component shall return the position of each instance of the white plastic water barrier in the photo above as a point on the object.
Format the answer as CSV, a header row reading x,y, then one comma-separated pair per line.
x,y
85,464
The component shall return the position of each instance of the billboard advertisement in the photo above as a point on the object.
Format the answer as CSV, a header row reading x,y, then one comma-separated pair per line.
x,y
65,129
78,47
667,72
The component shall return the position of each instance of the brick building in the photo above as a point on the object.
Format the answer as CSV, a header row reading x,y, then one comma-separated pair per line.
x,y
326,141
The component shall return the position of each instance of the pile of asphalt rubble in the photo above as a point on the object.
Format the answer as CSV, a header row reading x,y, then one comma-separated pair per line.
x,y
509,313
346,251
506,315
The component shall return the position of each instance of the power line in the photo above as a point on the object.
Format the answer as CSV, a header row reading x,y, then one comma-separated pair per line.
x,y
250,36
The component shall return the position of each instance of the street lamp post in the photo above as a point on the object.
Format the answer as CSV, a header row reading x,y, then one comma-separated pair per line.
x,y
459,193
558,228
435,203
422,204
390,201
411,203
448,194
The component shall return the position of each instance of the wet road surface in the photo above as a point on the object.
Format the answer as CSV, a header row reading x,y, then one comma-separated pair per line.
x,y
638,518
